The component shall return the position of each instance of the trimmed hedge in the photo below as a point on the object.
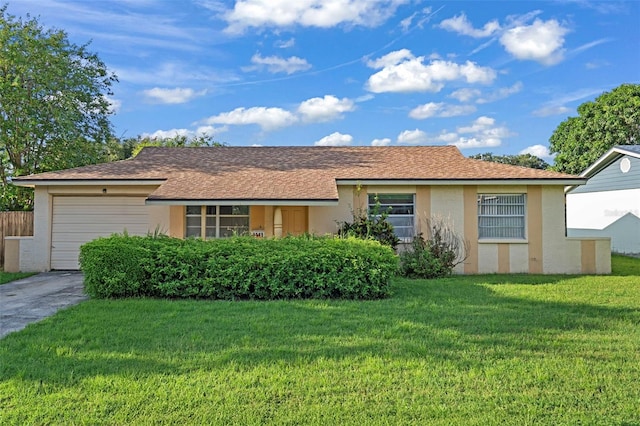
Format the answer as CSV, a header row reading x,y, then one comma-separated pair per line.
x,y
237,268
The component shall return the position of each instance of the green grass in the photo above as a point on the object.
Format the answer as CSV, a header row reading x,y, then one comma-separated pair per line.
x,y
6,277
477,350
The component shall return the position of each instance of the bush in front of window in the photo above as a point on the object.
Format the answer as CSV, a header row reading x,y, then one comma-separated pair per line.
x,y
371,225
237,268
435,255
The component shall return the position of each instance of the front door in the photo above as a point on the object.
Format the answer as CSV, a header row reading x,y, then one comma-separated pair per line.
x,y
294,220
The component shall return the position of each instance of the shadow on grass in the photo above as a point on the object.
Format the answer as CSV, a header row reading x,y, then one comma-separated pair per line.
x,y
455,321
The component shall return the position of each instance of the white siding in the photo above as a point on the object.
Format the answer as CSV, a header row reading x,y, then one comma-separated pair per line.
x,y
597,210
77,220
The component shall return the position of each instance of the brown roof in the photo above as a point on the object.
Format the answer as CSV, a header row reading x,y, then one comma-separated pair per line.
x,y
290,173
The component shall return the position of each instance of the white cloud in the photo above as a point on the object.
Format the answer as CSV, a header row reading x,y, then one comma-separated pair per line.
x,y
412,137
461,25
390,59
266,118
365,98
501,93
308,13
335,139
276,64
178,95
440,109
474,142
114,104
285,44
549,110
541,41
174,74
465,95
539,151
381,142
172,133
402,72
166,134
482,133
478,125
324,109
210,130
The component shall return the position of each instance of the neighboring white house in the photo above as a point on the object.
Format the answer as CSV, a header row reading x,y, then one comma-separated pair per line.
x,y
609,204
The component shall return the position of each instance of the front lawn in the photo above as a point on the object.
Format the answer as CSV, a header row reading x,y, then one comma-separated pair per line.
x,y
495,349
6,277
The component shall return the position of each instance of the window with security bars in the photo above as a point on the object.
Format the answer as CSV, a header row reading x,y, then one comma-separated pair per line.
x,y
216,221
501,216
400,208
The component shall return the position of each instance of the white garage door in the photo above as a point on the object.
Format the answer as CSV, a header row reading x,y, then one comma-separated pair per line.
x,y
77,220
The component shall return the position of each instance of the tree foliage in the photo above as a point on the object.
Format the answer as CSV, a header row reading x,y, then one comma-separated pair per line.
x,y
524,160
54,113
612,119
131,147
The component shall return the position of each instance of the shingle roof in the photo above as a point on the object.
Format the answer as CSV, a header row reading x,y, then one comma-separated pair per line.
x,y
289,173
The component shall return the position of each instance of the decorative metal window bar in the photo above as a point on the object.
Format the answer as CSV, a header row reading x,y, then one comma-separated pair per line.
x,y
501,216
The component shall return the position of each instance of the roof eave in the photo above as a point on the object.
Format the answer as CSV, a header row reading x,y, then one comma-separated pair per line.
x,y
606,159
242,202
450,182
86,182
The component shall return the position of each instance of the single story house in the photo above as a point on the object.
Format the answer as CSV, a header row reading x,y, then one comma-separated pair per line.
x,y
512,217
609,204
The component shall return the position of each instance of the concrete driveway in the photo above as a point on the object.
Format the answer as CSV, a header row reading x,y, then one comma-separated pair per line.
x,y
31,299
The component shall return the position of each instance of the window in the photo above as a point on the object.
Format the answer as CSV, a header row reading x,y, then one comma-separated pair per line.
x,y
400,208
216,221
501,216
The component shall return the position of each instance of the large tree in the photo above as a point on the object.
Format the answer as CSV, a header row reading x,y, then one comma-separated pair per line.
x,y
54,113
524,160
612,119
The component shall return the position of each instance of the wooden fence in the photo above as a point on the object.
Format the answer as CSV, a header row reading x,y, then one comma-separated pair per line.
x,y
14,224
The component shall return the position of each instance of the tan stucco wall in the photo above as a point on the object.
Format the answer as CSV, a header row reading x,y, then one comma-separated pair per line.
x,y
160,219
518,258
323,219
447,202
545,250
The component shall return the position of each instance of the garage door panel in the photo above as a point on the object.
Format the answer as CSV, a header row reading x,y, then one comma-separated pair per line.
x,y
62,201
98,228
78,220
105,210
105,219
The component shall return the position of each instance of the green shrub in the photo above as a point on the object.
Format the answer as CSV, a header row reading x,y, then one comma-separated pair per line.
x,y
237,268
436,255
372,225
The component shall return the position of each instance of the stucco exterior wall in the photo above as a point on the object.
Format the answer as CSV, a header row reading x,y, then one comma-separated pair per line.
x,y
545,250
447,202
323,219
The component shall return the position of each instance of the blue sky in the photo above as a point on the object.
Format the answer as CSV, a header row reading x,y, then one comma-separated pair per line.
x,y
485,76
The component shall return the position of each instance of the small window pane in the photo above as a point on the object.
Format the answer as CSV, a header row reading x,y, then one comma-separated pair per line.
x,y
193,210
234,210
400,211
210,232
234,221
193,222
211,210
193,232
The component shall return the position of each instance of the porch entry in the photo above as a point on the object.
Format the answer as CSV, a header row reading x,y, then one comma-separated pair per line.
x,y
295,220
